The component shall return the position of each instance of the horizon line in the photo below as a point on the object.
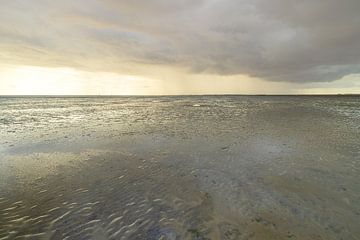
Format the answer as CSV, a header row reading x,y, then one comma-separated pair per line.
x,y
168,95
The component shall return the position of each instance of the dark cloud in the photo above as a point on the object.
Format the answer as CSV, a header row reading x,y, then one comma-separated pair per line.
x,y
278,40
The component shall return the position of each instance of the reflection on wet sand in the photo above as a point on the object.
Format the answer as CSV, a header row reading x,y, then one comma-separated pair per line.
x,y
117,197
228,168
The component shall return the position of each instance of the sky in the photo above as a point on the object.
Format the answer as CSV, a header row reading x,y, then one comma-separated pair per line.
x,y
179,47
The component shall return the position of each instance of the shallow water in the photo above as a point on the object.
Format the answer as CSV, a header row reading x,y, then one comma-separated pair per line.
x,y
210,167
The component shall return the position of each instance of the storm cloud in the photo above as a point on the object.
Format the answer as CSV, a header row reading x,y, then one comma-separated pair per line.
x,y
278,40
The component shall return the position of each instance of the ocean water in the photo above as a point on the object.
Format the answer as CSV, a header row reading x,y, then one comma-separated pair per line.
x,y
199,167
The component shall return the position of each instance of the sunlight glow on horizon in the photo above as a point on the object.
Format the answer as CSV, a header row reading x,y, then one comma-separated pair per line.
x,y
35,80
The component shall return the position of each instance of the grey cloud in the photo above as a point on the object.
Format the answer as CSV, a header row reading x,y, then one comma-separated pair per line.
x,y
278,40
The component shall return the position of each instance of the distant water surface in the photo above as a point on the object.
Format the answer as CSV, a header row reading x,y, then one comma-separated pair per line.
x,y
187,167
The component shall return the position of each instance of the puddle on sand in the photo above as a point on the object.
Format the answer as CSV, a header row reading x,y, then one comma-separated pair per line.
x,y
112,197
119,196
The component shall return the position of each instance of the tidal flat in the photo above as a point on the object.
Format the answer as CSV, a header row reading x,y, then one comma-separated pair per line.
x,y
186,167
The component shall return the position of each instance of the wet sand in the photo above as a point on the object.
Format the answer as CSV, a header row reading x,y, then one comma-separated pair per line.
x,y
211,167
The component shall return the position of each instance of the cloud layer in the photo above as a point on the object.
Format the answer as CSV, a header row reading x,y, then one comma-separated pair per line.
x,y
278,40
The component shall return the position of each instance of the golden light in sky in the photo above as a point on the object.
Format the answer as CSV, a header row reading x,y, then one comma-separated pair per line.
x,y
40,80
35,80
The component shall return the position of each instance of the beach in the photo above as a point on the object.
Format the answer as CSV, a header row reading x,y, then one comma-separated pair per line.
x,y
184,167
